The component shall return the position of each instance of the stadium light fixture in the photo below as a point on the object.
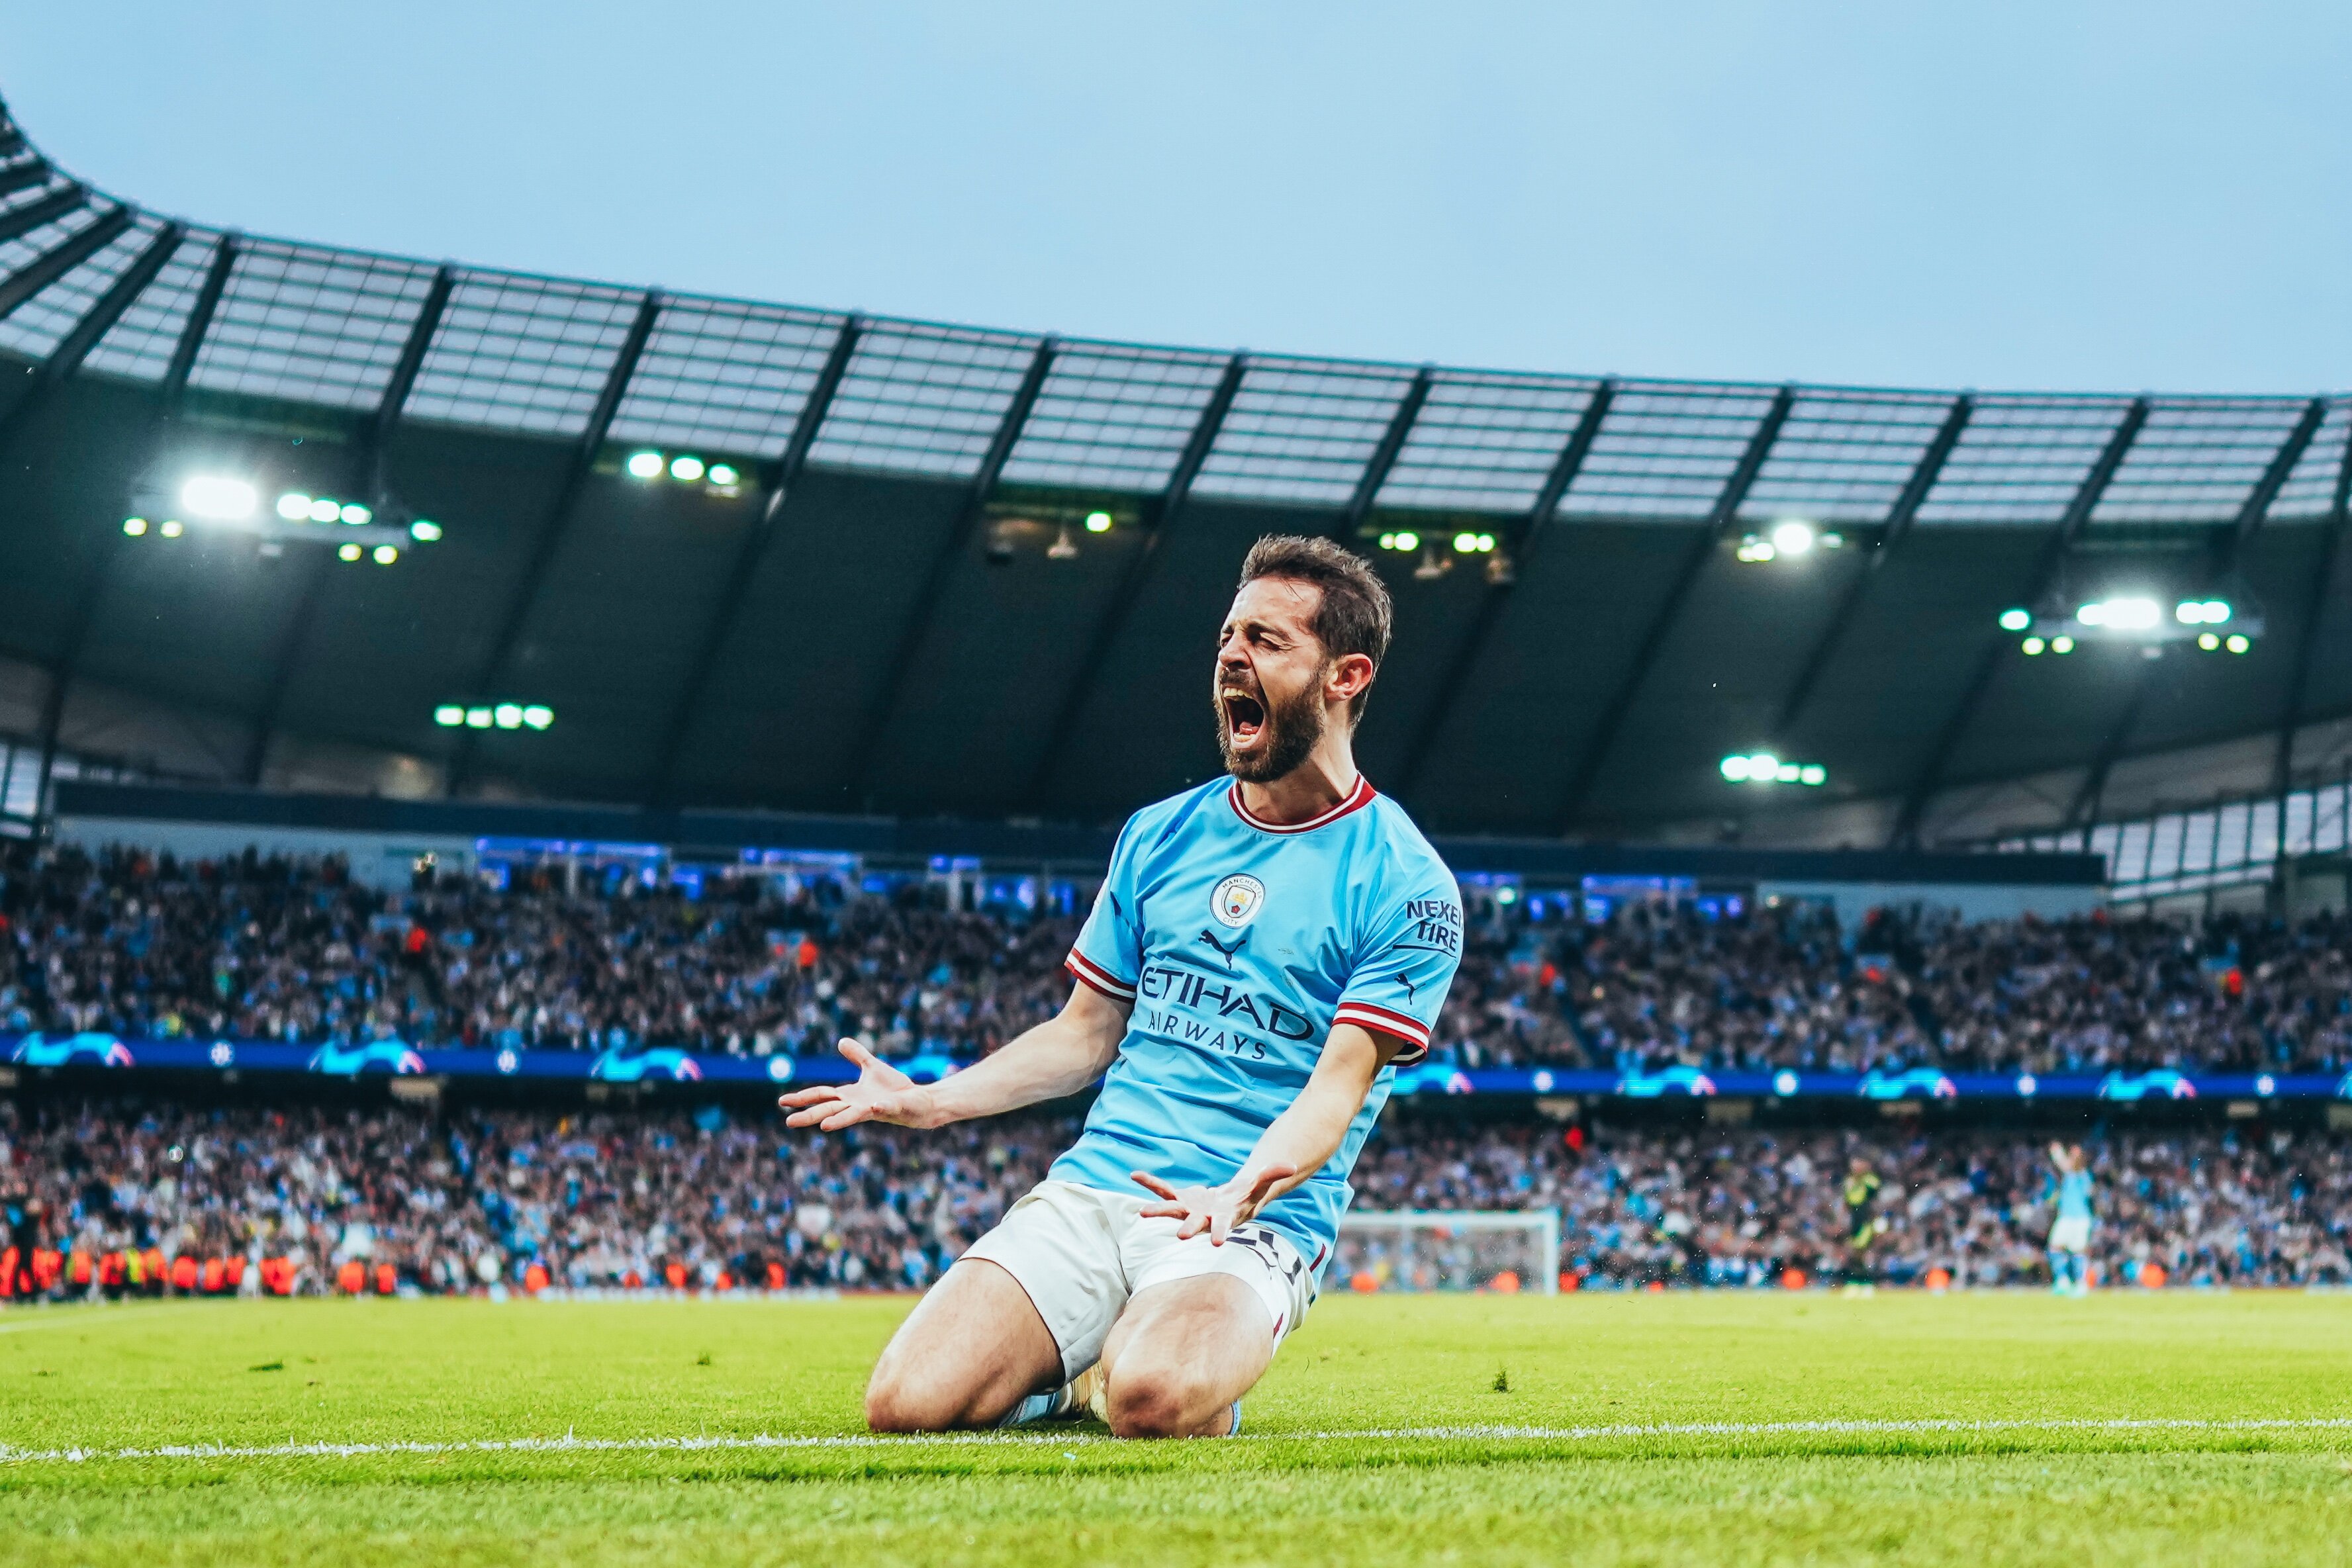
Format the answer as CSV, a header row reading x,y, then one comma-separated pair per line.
x,y
507,715
685,469
2032,645
348,553
2236,644
1404,540
356,516
1755,551
2209,640
2016,619
1097,522
2201,612
386,554
1764,768
424,531
294,506
218,498
478,719
538,716
724,474
1792,538
448,715
1064,547
646,466
2061,644
171,528
134,526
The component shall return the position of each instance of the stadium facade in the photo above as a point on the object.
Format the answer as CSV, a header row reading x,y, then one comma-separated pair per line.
x,y
469,533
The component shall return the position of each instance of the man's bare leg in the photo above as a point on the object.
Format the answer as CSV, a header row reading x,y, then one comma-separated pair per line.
x,y
972,1348
1182,1353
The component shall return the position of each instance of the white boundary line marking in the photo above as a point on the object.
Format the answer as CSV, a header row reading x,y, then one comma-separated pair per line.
x,y
571,1444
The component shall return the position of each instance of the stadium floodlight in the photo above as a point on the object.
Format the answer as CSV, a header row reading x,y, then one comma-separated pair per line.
x,y
1408,541
1813,773
1754,550
2208,640
171,528
1734,767
2125,613
217,498
2216,611
1466,544
685,469
724,474
386,554
2061,644
2236,644
646,466
293,506
2031,646
325,509
539,716
134,526
355,515
1792,538
348,553
448,715
1097,522
2016,619
424,531
507,715
1486,544
478,719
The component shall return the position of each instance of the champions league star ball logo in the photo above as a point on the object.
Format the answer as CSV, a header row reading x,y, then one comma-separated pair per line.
x,y
1237,900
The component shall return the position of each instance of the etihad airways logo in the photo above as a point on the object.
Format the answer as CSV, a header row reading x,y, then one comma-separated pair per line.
x,y
1201,1010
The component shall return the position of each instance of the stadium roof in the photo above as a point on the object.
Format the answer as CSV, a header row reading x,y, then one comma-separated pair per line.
x,y
900,604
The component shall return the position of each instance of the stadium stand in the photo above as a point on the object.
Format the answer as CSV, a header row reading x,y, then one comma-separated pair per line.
x,y
109,1197
142,946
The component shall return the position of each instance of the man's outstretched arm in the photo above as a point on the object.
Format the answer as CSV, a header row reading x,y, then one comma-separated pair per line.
x,y
1060,1056
1294,1145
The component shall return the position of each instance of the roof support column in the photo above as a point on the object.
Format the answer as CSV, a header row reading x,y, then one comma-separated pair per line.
x,y
753,550
1896,528
1383,457
1905,833
2083,810
174,387
1159,517
365,478
2314,606
1720,522
556,523
1522,538
860,774
66,359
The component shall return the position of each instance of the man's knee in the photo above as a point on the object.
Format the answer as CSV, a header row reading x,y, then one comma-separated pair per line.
x,y
898,1404
1157,1402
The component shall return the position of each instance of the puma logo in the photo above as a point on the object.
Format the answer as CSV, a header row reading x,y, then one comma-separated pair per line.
x,y
1227,954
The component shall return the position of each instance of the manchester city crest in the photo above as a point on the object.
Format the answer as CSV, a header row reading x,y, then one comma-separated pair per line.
x,y
1237,899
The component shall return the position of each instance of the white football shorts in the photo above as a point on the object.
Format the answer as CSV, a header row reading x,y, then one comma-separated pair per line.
x,y
1081,1253
2071,1234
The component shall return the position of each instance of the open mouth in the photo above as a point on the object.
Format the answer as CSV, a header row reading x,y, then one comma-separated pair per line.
x,y
1245,717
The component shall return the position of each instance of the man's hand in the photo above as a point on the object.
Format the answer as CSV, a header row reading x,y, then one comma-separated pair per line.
x,y
1215,1209
882,1093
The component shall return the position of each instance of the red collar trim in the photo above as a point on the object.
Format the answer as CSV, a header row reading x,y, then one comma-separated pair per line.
x,y
1358,799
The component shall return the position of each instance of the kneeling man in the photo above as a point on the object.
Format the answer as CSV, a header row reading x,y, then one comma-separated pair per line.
x,y
1266,950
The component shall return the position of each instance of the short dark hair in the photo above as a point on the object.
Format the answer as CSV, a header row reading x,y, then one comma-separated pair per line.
x,y
1355,616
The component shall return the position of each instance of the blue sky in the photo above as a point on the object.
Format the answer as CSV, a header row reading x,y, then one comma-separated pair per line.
x,y
2146,196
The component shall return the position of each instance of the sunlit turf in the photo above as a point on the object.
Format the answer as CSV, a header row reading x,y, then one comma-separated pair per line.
x,y
259,1375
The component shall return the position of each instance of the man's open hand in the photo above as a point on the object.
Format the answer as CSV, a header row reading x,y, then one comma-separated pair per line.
x,y
1215,1209
881,1093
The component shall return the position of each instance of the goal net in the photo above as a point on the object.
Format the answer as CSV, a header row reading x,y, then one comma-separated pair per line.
x,y
1448,1249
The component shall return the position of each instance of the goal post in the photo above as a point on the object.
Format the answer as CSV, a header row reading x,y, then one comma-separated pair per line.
x,y
1448,1249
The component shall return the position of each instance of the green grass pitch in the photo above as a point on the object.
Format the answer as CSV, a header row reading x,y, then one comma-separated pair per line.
x,y
1710,1428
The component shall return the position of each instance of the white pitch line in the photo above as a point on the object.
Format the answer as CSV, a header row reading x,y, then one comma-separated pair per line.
x,y
571,1444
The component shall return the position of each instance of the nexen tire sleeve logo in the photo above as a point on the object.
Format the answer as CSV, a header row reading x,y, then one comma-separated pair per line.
x,y
1237,900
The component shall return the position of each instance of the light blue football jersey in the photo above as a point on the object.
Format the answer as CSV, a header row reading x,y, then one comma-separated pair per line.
x,y
1240,943
2074,1195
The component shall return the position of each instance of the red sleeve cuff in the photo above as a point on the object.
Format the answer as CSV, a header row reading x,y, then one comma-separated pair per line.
x,y
1093,976
1396,1025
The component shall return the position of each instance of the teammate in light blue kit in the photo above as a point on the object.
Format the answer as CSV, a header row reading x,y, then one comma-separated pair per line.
x,y
1266,950
2070,1234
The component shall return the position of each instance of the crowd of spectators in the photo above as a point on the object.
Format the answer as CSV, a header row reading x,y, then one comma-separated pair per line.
x,y
107,1198
254,947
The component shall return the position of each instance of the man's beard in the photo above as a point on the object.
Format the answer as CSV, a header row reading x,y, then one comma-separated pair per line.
x,y
1293,729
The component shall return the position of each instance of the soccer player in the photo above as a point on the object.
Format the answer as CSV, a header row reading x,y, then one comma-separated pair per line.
x,y
1266,950
1863,1223
2070,1234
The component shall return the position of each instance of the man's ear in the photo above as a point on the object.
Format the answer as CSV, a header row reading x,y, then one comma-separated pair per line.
x,y
1348,677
